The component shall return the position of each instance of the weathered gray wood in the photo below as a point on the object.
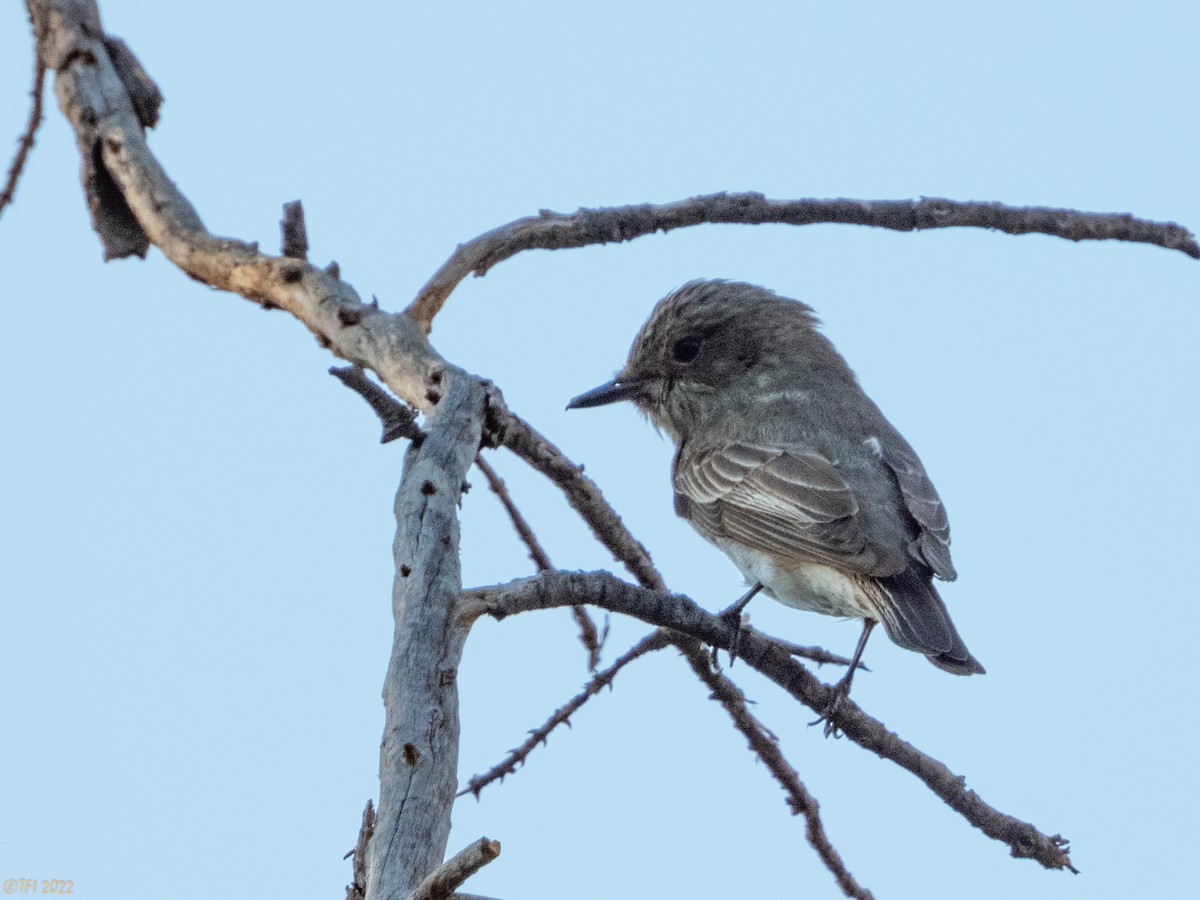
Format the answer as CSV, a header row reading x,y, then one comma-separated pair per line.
x,y
418,765
132,199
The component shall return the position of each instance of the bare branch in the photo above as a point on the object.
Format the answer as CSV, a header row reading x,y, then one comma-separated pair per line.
x,y
587,628
556,231
654,641
442,882
398,420
25,141
585,498
419,754
819,655
680,613
294,242
766,747
133,201
520,525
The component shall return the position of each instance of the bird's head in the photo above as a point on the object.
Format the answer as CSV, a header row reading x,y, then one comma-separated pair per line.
x,y
710,344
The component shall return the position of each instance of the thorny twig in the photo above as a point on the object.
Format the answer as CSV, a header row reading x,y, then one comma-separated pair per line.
x,y
588,635
516,757
765,746
681,614
25,142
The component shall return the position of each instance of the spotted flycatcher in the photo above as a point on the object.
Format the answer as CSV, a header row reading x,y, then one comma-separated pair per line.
x,y
786,465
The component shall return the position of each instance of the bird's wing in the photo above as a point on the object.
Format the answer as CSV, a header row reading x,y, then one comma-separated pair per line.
x,y
932,545
792,502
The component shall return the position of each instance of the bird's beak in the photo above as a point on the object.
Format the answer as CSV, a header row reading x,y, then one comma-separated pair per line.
x,y
617,389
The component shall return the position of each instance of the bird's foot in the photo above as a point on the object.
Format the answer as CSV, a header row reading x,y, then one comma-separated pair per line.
x,y
733,618
841,690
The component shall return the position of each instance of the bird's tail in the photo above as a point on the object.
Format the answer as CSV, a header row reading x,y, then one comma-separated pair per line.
x,y
916,618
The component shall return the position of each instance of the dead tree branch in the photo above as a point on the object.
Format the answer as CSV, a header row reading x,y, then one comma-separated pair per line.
x,y
681,614
585,498
26,140
443,881
135,204
803,803
557,231
398,420
562,716
818,655
109,100
419,754
536,552
588,635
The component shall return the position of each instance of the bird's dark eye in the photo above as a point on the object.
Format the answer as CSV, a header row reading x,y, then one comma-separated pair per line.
x,y
686,349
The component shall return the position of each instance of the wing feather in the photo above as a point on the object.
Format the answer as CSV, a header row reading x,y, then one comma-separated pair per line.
x,y
791,502
932,545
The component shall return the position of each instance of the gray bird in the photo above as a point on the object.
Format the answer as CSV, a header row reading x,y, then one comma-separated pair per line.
x,y
788,467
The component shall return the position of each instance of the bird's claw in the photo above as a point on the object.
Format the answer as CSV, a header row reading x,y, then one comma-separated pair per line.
x,y
733,618
830,711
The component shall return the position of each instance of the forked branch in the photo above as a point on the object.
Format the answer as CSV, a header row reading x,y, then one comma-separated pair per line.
x,y
681,614
109,101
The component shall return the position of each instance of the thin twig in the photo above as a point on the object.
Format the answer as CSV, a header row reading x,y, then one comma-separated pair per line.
x,y
536,552
441,883
556,231
818,655
397,419
25,142
654,641
681,614
585,498
588,635
764,745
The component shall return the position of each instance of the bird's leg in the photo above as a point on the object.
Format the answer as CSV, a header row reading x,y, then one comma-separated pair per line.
x,y
733,618
841,690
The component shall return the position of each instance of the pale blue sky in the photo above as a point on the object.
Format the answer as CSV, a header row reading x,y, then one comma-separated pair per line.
x,y
195,546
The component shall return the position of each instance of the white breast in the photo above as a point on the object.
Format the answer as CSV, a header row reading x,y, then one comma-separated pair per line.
x,y
809,586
